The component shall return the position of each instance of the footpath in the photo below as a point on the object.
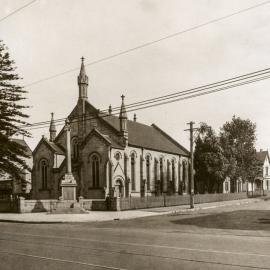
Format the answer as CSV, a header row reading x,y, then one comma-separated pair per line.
x,y
93,216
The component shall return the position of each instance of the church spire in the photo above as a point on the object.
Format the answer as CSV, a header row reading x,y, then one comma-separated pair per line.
x,y
123,121
82,82
123,112
52,129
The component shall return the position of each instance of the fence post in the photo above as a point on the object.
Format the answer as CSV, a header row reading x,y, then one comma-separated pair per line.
x,y
21,204
118,204
164,199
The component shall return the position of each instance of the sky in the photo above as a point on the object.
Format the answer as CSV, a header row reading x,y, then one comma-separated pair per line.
x,y
49,37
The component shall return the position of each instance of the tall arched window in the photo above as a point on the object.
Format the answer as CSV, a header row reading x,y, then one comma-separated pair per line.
x,y
44,174
95,170
75,148
184,175
173,175
132,163
161,174
148,172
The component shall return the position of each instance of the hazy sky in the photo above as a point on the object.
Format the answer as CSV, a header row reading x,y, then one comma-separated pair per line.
x,y
50,36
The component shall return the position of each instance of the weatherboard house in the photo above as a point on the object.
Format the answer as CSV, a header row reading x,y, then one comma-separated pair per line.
x,y
98,155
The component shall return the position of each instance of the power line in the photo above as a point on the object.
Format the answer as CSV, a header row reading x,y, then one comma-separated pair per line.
x,y
17,10
188,96
150,43
175,94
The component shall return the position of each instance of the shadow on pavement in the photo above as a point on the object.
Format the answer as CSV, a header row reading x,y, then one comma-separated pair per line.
x,y
29,222
235,220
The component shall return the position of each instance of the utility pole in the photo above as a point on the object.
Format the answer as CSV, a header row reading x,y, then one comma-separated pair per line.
x,y
191,130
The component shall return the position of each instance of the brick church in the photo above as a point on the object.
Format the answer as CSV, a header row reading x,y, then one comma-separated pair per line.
x,y
108,155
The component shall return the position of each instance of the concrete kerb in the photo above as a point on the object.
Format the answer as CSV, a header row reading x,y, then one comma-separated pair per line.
x,y
96,216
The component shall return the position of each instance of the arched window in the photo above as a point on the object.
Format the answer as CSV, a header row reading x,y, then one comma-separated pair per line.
x,y
161,174
75,148
44,174
173,175
132,163
95,170
148,172
184,175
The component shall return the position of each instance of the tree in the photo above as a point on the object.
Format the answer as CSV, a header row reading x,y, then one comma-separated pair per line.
x,y
238,141
11,117
209,161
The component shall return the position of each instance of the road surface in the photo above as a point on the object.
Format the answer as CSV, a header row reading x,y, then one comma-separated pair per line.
x,y
235,237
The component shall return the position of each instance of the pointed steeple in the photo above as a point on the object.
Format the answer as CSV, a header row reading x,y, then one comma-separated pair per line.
x,y
52,129
123,121
82,82
123,112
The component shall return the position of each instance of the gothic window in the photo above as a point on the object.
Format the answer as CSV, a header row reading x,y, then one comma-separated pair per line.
x,y
75,148
266,170
173,175
148,172
161,174
44,174
184,175
95,170
132,161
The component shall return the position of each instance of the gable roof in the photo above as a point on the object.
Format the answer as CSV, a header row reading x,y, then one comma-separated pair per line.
x,y
150,137
139,135
51,145
23,143
261,156
106,138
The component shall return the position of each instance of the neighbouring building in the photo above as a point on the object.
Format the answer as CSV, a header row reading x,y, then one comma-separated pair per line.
x,y
10,186
110,155
262,181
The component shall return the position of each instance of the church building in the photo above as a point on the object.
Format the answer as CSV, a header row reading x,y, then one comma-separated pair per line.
x,y
107,155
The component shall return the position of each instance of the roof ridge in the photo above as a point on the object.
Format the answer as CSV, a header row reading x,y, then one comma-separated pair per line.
x,y
170,138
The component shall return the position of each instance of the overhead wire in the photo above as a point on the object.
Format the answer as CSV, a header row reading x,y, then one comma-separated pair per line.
x,y
187,95
146,44
17,10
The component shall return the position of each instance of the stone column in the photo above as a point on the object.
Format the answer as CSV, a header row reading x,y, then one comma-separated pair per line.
x,y
68,153
68,183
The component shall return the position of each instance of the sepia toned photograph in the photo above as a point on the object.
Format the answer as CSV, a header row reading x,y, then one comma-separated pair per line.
x,y
134,134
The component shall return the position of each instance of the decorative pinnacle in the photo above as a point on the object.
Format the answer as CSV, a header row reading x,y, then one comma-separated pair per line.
x,y
82,59
123,113
52,124
110,109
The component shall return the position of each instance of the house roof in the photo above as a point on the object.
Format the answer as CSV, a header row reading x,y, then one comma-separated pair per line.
x,y
150,137
261,156
23,143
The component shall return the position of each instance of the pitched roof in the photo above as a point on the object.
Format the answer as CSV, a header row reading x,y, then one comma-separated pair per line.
x,y
261,156
150,137
23,143
107,138
58,150
51,145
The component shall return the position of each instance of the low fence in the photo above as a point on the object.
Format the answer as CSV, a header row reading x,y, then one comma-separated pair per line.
x,y
94,205
22,205
8,205
174,200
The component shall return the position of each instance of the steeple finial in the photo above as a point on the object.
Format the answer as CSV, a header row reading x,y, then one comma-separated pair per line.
x,y
82,81
52,128
123,122
110,109
123,113
135,117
